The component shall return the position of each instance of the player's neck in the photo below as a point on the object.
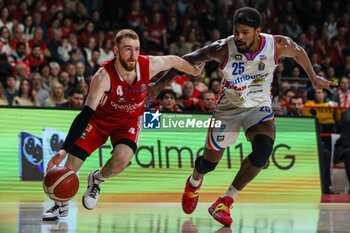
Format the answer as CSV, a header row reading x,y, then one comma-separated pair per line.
x,y
125,74
256,46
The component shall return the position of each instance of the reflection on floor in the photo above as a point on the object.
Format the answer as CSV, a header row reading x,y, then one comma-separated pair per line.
x,y
25,217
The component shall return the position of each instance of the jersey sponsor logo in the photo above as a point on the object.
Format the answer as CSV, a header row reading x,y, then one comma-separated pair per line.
x,y
244,78
236,88
143,87
83,135
262,57
220,138
258,80
261,66
222,127
132,130
129,108
120,100
238,57
265,109
88,127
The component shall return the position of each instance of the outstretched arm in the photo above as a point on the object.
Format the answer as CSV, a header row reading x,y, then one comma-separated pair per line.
x,y
215,51
161,63
286,47
100,83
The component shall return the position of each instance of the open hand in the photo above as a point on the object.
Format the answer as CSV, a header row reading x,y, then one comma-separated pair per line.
x,y
56,159
319,82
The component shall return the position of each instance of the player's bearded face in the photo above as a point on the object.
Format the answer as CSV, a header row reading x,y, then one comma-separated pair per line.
x,y
245,38
128,64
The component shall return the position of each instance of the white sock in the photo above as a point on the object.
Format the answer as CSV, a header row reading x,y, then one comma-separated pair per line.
x,y
98,175
194,183
231,192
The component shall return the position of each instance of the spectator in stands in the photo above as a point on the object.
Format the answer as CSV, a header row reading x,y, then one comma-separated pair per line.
x,y
10,89
214,86
80,68
54,25
73,41
136,18
302,42
28,27
296,104
84,88
63,49
21,73
173,29
180,47
44,70
54,71
295,72
5,38
75,100
106,52
63,78
327,117
19,55
89,32
56,95
3,99
5,18
39,24
342,97
26,95
67,26
90,46
167,103
79,18
92,65
208,101
40,92
191,95
276,108
38,40
155,34
53,46
36,58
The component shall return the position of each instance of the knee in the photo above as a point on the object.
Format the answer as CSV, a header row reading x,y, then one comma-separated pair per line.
x,y
120,163
204,166
262,148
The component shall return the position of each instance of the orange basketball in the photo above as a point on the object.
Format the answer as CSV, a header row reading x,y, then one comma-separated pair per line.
x,y
61,184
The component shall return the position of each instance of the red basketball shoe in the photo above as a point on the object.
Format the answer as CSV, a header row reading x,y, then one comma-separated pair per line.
x,y
220,210
190,197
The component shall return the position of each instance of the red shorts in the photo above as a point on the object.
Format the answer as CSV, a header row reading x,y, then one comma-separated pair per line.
x,y
98,131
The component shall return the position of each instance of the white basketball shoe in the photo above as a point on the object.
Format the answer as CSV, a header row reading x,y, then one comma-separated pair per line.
x,y
92,193
60,209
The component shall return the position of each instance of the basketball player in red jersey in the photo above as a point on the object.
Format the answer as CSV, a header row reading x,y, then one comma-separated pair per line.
x,y
248,60
114,107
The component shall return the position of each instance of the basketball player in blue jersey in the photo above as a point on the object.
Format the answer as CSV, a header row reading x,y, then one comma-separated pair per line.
x,y
248,60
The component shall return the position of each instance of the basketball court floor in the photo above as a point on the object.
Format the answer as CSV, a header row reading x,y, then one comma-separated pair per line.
x,y
21,216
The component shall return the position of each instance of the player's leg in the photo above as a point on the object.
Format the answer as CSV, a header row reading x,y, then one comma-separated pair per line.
x,y
60,209
262,137
262,134
217,140
124,138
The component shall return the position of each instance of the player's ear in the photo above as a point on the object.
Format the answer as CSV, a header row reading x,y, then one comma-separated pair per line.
x,y
115,49
258,31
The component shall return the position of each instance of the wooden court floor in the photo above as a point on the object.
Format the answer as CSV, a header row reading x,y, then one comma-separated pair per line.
x,y
25,217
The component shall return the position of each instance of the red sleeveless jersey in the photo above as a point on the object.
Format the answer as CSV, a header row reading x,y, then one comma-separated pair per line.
x,y
124,100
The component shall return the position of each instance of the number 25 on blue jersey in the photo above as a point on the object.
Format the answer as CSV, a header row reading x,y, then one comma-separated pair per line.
x,y
238,68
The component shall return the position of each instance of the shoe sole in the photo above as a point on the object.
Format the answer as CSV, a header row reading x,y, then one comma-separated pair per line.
x,y
218,219
50,219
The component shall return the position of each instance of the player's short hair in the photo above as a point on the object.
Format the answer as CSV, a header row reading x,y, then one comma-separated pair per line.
x,y
247,16
125,33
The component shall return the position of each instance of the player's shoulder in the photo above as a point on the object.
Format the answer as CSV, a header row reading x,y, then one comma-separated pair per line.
x,y
282,40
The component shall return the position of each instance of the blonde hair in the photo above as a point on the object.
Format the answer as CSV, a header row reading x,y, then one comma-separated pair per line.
x,y
55,99
125,33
